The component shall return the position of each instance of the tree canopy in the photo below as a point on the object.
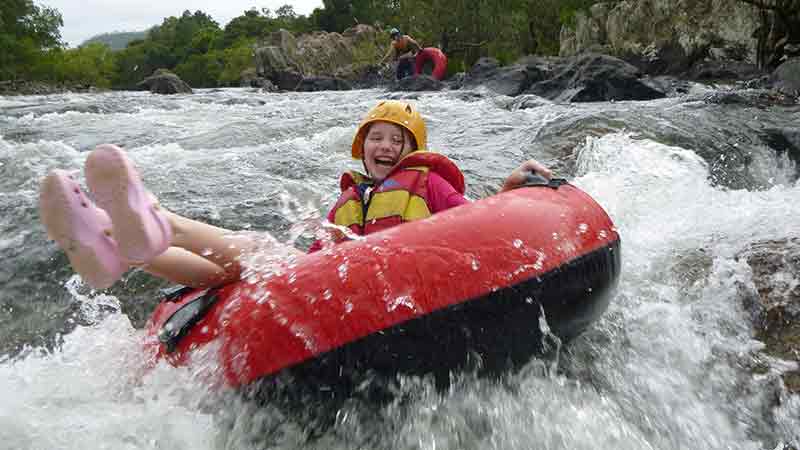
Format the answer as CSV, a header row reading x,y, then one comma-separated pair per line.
x,y
26,31
205,54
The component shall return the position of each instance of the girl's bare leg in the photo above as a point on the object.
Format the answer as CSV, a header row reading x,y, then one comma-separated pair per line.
x,y
202,255
183,267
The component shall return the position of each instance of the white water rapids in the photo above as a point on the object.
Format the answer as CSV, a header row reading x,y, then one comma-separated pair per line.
x,y
669,366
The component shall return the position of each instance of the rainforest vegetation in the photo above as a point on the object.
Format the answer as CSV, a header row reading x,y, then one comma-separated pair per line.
x,y
205,54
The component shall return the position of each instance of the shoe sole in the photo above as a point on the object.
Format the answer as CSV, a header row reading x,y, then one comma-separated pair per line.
x,y
141,233
91,252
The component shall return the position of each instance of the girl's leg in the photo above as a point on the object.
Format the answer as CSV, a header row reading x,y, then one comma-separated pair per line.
x,y
183,267
223,248
165,244
85,233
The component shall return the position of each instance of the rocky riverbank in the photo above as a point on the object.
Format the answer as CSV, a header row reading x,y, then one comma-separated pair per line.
x,y
10,87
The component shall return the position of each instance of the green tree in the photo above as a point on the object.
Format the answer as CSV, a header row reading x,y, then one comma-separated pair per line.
x,y
91,64
234,61
288,19
26,32
336,15
201,70
253,24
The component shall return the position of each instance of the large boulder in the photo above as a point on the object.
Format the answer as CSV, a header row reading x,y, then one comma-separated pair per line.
x,y
509,80
418,83
776,306
785,142
319,54
313,84
720,70
595,78
270,60
163,81
287,80
666,36
786,77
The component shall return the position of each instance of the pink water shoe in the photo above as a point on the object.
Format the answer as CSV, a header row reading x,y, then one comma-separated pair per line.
x,y
141,230
81,229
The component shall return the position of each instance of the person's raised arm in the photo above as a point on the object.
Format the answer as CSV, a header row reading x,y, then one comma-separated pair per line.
x,y
520,174
387,55
414,47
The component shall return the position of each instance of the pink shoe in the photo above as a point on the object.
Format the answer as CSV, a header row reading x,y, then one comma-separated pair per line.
x,y
142,231
81,229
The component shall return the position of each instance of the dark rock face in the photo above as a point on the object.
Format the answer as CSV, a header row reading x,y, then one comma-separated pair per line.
x,y
776,274
287,80
667,59
723,71
784,141
508,80
595,78
418,83
164,82
22,87
312,84
669,85
755,99
786,77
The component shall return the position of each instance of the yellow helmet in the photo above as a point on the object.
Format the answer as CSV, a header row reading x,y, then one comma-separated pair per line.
x,y
392,111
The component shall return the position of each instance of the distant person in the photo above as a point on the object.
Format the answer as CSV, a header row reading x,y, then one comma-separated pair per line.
x,y
404,49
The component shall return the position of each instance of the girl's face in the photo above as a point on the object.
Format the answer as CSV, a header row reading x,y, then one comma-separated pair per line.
x,y
384,145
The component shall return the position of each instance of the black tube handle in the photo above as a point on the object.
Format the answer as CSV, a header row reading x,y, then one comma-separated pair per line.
x,y
534,179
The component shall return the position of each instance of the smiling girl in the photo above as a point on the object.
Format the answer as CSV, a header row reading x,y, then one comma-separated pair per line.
x,y
127,228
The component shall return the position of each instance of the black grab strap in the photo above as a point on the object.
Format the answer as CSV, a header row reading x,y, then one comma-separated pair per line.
x,y
182,320
534,179
174,293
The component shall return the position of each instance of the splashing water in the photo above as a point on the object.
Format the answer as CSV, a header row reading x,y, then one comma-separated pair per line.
x,y
669,366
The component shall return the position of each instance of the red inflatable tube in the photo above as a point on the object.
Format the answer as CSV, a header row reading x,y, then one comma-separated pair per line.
x,y
419,298
435,56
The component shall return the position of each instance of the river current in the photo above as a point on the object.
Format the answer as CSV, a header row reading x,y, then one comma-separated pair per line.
x,y
690,184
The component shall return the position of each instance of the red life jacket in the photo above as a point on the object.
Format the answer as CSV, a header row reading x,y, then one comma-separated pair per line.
x,y
401,197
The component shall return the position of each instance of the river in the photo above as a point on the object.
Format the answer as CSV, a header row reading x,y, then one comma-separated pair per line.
x,y
690,183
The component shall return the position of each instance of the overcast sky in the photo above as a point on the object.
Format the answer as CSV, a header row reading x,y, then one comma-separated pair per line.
x,y
86,18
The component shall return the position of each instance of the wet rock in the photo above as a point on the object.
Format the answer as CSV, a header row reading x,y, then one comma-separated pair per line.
x,y
776,275
666,57
786,78
456,81
249,78
503,80
361,76
754,98
669,85
723,71
508,80
419,83
313,84
595,78
526,102
21,87
163,81
784,141
287,80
